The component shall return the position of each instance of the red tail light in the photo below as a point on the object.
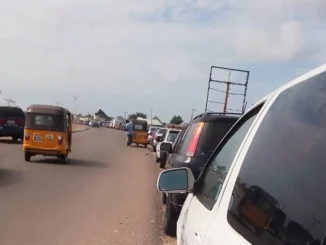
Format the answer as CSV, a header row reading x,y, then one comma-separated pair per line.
x,y
59,139
26,136
194,140
20,122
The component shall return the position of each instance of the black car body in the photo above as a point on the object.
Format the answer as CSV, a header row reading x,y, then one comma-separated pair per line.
x,y
192,148
12,122
95,125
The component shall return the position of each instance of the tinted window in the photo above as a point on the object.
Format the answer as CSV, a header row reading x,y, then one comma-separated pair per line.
x,y
213,133
280,187
182,149
139,127
172,135
152,129
219,164
11,112
45,122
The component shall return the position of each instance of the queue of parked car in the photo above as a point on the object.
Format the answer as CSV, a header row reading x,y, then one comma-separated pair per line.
x,y
251,179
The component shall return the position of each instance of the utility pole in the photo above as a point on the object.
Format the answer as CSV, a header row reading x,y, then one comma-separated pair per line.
x,y
13,102
151,116
126,115
58,103
192,113
75,102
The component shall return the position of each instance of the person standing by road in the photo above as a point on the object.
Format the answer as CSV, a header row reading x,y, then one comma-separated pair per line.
x,y
130,131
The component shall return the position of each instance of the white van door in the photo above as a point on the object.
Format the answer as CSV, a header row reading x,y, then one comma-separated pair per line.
x,y
200,208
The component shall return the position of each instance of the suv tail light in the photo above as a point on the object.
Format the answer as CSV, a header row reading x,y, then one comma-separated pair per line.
x,y
194,140
20,122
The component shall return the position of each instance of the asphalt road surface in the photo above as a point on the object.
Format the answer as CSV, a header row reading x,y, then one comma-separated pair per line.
x,y
106,194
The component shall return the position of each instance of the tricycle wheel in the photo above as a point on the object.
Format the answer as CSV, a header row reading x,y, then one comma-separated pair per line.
x,y
27,156
145,145
137,145
64,158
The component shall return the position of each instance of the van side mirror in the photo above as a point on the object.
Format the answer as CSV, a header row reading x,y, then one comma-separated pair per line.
x,y
177,180
166,146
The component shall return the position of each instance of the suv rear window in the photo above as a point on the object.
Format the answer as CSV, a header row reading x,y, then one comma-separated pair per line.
x,y
6,112
212,134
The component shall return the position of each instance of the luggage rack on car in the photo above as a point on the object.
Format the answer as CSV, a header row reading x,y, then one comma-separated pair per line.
x,y
217,113
235,88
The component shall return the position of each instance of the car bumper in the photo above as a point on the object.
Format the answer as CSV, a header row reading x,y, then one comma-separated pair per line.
x,y
14,131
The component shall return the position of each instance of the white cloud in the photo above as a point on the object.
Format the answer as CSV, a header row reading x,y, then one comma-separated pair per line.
x,y
117,47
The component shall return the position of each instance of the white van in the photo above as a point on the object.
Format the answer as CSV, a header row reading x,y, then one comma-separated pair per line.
x,y
264,184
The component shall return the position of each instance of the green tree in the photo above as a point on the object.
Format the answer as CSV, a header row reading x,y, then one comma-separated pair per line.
x,y
176,120
137,114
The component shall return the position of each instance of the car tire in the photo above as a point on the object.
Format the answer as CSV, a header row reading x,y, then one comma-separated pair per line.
x,y
162,163
14,138
27,156
163,197
145,145
169,226
154,148
156,158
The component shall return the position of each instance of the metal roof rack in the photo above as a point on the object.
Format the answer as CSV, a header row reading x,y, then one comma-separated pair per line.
x,y
217,113
240,92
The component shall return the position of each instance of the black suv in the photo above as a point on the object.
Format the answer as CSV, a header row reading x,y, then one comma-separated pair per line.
x,y
12,122
192,148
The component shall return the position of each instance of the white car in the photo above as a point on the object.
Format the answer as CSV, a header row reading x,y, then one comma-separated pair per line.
x,y
170,136
263,183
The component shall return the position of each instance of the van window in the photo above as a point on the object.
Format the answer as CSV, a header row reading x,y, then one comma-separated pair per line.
x,y
212,134
220,163
172,135
281,185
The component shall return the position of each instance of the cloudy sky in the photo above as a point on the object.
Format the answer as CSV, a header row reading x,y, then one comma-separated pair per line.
x,y
138,55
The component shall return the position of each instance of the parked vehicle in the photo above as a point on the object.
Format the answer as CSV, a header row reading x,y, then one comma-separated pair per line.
x,y
139,136
170,136
48,132
12,121
94,124
86,123
264,182
151,131
161,132
195,145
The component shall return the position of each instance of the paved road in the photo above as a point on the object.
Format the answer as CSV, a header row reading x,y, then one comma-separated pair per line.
x,y
105,195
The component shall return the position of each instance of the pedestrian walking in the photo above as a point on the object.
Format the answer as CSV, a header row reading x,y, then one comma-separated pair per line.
x,y
130,131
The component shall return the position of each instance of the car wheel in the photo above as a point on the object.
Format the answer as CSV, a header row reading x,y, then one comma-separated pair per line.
x,y
14,138
27,156
163,197
157,159
170,226
154,148
162,163
145,145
